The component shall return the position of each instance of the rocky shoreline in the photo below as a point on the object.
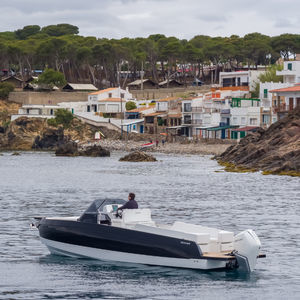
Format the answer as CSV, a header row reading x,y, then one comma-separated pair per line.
x,y
200,148
35,134
273,151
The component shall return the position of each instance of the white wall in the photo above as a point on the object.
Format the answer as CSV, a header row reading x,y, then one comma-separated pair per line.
x,y
161,106
267,102
245,116
115,93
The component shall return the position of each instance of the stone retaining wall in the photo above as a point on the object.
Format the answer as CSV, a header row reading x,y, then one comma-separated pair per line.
x,y
164,92
47,98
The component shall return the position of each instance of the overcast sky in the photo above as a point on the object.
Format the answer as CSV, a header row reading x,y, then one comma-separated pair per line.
x,y
133,18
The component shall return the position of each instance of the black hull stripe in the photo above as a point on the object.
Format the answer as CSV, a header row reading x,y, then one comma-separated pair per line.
x,y
117,239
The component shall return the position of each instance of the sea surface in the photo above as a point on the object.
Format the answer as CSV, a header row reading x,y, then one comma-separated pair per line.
x,y
187,188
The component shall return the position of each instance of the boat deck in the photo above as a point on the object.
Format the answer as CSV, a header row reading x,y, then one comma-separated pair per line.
x,y
221,255
225,255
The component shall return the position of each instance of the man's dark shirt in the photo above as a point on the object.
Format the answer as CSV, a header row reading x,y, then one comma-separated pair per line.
x,y
131,204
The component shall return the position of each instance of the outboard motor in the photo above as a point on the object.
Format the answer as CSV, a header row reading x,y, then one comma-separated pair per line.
x,y
246,246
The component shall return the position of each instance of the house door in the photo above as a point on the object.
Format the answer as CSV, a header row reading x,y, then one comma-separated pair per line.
x,y
223,136
291,103
298,102
142,129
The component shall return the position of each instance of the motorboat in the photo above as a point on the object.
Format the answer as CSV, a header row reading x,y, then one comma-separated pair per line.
x,y
103,232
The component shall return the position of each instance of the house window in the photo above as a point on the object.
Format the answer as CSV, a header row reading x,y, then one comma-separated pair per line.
x,y
290,66
235,120
266,119
122,95
109,95
187,107
51,112
243,121
253,121
265,93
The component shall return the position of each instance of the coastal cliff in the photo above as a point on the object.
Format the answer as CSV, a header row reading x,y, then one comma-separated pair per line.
x,y
274,151
35,133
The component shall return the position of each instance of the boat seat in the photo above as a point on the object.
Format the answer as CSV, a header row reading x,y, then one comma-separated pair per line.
x,y
140,216
220,240
199,238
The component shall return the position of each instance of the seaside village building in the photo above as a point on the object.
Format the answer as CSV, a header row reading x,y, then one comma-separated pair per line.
x,y
274,96
219,113
167,113
109,101
241,78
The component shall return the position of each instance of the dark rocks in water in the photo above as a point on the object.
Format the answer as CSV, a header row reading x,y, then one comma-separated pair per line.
x,y
138,156
71,149
94,151
274,151
51,138
15,153
67,149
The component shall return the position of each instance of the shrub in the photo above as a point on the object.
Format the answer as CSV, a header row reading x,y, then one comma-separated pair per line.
x,y
51,78
130,105
52,122
5,89
63,117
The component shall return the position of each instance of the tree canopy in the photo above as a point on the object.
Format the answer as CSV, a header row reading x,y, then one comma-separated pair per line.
x,y
51,78
111,62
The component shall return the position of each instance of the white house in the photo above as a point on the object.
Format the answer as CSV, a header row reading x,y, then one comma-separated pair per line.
x,y
48,111
111,100
240,78
166,104
291,97
291,71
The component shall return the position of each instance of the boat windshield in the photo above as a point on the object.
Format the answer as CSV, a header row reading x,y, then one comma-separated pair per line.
x,y
100,203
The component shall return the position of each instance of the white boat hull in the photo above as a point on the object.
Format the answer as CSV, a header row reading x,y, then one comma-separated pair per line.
x,y
108,255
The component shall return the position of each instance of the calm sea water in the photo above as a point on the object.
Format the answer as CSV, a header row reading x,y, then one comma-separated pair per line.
x,y
175,188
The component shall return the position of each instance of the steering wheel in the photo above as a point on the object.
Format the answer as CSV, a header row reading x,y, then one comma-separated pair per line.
x,y
119,213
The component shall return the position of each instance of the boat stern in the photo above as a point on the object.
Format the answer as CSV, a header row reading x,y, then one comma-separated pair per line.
x,y
246,250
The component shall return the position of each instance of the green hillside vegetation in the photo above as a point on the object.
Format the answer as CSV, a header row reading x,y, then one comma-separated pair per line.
x,y
99,60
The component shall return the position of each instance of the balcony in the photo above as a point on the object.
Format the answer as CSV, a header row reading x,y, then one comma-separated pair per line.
x,y
187,121
197,109
286,73
197,122
280,108
225,111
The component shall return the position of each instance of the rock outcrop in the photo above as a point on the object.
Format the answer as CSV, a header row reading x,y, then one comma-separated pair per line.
x,y
71,149
67,149
35,133
94,151
275,150
138,156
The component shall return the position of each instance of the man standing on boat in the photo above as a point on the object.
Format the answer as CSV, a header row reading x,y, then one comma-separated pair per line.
x,y
131,204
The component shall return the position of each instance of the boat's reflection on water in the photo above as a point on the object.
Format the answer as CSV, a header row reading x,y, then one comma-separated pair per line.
x,y
97,268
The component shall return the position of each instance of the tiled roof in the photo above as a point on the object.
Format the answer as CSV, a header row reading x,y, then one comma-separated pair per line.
x,y
139,109
168,99
154,114
103,91
295,88
178,115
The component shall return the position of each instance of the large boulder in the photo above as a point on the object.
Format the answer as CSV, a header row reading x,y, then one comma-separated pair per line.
x,y
71,149
138,156
67,149
94,151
